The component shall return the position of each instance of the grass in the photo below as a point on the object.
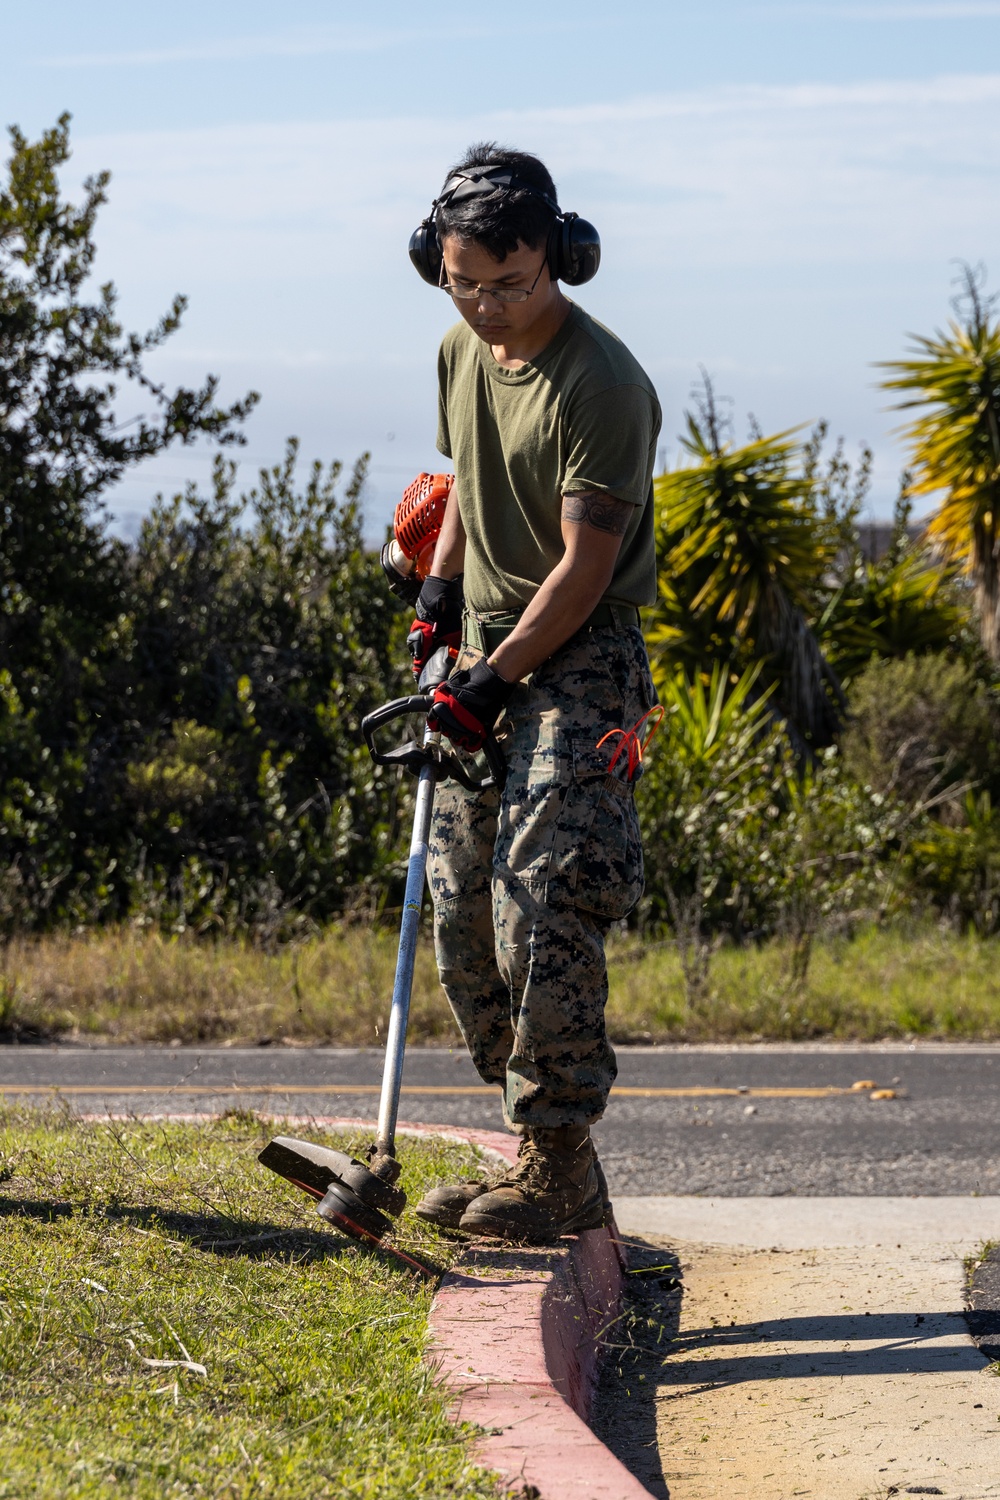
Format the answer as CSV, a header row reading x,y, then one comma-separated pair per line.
x,y
177,1322
131,986
128,986
908,983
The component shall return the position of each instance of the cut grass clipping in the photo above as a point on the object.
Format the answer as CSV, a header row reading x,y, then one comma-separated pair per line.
x,y
177,1322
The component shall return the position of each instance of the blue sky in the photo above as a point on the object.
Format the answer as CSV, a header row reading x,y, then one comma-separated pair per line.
x,y
781,190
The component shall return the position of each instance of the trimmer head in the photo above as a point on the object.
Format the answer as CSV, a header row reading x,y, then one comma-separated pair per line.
x,y
351,1196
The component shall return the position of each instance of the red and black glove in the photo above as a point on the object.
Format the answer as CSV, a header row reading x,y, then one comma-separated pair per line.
x,y
438,622
468,704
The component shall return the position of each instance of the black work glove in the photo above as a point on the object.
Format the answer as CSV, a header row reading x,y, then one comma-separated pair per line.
x,y
405,586
438,622
468,704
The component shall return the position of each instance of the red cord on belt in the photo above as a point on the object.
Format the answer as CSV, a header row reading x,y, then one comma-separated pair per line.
x,y
634,747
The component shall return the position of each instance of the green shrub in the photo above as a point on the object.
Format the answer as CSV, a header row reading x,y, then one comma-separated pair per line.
x,y
958,869
829,861
920,725
743,840
224,785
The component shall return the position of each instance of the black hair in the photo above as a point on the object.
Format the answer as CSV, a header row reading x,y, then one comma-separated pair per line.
x,y
501,220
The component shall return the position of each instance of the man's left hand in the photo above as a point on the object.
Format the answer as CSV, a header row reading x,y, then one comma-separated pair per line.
x,y
468,704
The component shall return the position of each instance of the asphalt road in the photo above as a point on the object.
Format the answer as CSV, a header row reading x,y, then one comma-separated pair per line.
x,y
784,1121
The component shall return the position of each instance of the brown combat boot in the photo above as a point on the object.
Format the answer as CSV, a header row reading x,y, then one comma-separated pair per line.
x,y
444,1206
552,1190
602,1187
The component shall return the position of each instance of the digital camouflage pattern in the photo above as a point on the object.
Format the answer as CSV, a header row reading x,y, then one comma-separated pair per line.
x,y
525,883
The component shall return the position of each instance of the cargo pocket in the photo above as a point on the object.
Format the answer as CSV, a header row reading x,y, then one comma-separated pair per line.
x,y
530,814
597,861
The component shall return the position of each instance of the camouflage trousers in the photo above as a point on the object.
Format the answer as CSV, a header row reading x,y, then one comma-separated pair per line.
x,y
526,882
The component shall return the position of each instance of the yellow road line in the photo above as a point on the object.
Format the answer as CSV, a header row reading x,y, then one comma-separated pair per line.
x,y
444,1089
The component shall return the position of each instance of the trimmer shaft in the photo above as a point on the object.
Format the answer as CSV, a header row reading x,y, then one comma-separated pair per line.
x,y
355,1197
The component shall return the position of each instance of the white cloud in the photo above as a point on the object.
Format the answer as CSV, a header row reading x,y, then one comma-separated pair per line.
x,y
958,89
294,222
226,49
296,43
784,236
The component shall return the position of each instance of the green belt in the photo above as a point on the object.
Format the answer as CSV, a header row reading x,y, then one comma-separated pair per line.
x,y
486,635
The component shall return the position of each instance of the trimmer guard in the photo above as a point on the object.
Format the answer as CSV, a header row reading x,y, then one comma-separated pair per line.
x,y
316,1169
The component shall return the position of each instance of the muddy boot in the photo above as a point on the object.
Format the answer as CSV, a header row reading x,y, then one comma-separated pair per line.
x,y
602,1188
444,1206
552,1190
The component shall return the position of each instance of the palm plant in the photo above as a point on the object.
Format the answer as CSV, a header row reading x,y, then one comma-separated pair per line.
x,y
742,551
891,608
705,791
710,720
955,442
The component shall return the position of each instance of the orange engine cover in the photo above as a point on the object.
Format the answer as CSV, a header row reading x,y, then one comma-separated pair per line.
x,y
417,522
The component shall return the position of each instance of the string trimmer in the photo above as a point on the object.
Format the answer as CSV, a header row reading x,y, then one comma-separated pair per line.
x,y
361,1198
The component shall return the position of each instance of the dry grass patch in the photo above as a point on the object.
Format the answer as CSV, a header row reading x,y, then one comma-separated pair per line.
x,y
125,986
882,983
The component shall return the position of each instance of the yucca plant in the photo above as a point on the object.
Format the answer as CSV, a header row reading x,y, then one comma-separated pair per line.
x,y
891,608
709,719
709,781
742,551
955,443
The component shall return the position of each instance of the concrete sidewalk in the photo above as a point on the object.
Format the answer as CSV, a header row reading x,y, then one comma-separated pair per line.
x,y
822,1349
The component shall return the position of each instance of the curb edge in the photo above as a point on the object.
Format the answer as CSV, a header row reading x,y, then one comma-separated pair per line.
x,y
516,1336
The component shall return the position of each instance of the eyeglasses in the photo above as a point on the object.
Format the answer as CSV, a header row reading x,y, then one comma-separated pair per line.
x,y
499,293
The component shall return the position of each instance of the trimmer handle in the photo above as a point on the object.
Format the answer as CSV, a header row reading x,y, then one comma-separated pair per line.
x,y
414,757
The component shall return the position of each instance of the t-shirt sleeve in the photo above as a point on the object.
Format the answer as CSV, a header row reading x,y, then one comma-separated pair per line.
x,y
608,439
443,432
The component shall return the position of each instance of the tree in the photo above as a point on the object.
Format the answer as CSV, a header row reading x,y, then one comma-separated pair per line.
x,y
63,354
955,443
225,783
742,548
179,718
262,635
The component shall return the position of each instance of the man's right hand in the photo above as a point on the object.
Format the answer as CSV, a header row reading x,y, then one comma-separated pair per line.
x,y
438,622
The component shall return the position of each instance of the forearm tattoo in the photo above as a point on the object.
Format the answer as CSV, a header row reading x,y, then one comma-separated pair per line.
x,y
603,512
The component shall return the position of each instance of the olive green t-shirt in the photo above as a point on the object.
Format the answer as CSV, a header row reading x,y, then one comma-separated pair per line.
x,y
583,415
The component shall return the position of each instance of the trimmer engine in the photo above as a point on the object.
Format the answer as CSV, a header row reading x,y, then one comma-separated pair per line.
x,y
416,525
417,522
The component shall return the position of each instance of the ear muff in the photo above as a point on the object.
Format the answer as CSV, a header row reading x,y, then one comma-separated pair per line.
x,y
425,251
574,250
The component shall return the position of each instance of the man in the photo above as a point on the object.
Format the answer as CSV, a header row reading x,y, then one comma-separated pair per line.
x,y
548,533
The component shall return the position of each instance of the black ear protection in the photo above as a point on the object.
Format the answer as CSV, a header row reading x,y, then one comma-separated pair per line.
x,y
573,251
